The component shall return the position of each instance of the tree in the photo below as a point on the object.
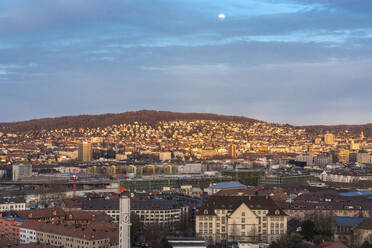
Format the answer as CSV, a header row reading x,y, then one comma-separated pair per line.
x,y
366,244
308,230
277,244
136,228
164,243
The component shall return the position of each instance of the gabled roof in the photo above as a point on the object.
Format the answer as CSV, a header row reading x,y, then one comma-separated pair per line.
x,y
233,202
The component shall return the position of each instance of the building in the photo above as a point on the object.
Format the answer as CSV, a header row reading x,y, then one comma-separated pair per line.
x,y
329,139
164,212
158,183
124,222
164,156
363,232
249,177
20,171
240,218
7,205
233,151
224,185
27,233
68,236
285,178
363,157
85,152
344,228
9,227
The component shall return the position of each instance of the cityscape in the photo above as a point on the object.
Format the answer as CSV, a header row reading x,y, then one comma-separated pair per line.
x,y
185,124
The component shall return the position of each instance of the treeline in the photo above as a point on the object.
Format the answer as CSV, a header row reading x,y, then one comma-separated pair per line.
x,y
104,120
337,129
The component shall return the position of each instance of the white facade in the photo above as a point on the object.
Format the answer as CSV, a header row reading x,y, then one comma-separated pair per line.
x,y
12,206
27,235
124,223
21,171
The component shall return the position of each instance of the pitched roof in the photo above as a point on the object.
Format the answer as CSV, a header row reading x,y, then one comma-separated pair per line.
x,y
233,202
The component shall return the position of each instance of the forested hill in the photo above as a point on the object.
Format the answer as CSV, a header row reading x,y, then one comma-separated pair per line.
x,y
104,120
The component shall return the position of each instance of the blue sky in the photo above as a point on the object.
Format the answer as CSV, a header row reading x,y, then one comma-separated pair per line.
x,y
286,61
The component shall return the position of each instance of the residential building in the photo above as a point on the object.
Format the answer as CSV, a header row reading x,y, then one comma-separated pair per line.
x,y
20,171
85,152
240,218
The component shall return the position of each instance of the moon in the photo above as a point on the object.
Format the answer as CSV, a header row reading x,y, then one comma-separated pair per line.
x,y
222,16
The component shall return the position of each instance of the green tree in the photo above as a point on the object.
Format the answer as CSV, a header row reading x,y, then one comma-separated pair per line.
x,y
308,229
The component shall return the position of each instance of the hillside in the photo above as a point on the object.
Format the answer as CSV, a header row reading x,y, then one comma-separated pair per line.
x,y
355,129
103,120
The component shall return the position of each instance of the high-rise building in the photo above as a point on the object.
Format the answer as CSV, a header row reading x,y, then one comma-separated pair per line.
x,y
232,151
85,152
329,138
124,222
20,171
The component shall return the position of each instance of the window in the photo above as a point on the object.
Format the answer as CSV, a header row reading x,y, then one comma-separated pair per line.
x,y
243,220
243,213
243,226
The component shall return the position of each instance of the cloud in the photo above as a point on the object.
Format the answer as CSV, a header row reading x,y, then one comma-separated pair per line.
x,y
297,61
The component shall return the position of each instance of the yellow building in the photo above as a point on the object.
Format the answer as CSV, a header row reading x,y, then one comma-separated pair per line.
x,y
240,218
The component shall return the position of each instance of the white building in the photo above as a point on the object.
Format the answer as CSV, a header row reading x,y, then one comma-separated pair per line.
x,y
12,206
27,234
21,171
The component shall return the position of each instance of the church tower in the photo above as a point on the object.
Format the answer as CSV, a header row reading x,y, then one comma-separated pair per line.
x,y
124,221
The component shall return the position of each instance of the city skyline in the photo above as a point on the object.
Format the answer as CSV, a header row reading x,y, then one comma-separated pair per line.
x,y
299,62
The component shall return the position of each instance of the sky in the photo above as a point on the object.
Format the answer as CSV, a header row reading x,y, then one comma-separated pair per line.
x,y
285,61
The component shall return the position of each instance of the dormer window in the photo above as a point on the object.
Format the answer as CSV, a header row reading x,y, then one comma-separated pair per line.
x,y
243,213
205,211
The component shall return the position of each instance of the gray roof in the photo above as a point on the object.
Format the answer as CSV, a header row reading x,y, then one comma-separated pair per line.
x,y
228,185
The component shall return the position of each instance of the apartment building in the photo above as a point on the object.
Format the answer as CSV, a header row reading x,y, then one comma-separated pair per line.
x,y
149,211
240,218
12,205
65,236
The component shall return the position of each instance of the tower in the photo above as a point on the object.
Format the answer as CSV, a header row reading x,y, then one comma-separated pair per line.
x,y
124,222
362,135
85,152
232,151
329,139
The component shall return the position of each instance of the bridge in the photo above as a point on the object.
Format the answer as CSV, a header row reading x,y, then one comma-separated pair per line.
x,y
48,183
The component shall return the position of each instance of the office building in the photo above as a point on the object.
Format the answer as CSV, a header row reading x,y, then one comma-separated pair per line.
x,y
21,171
85,152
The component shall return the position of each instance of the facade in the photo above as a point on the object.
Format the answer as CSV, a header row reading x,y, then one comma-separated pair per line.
x,y
27,234
9,227
12,206
329,139
232,151
281,178
64,236
240,218
85,152
20,171
249,177
164,212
